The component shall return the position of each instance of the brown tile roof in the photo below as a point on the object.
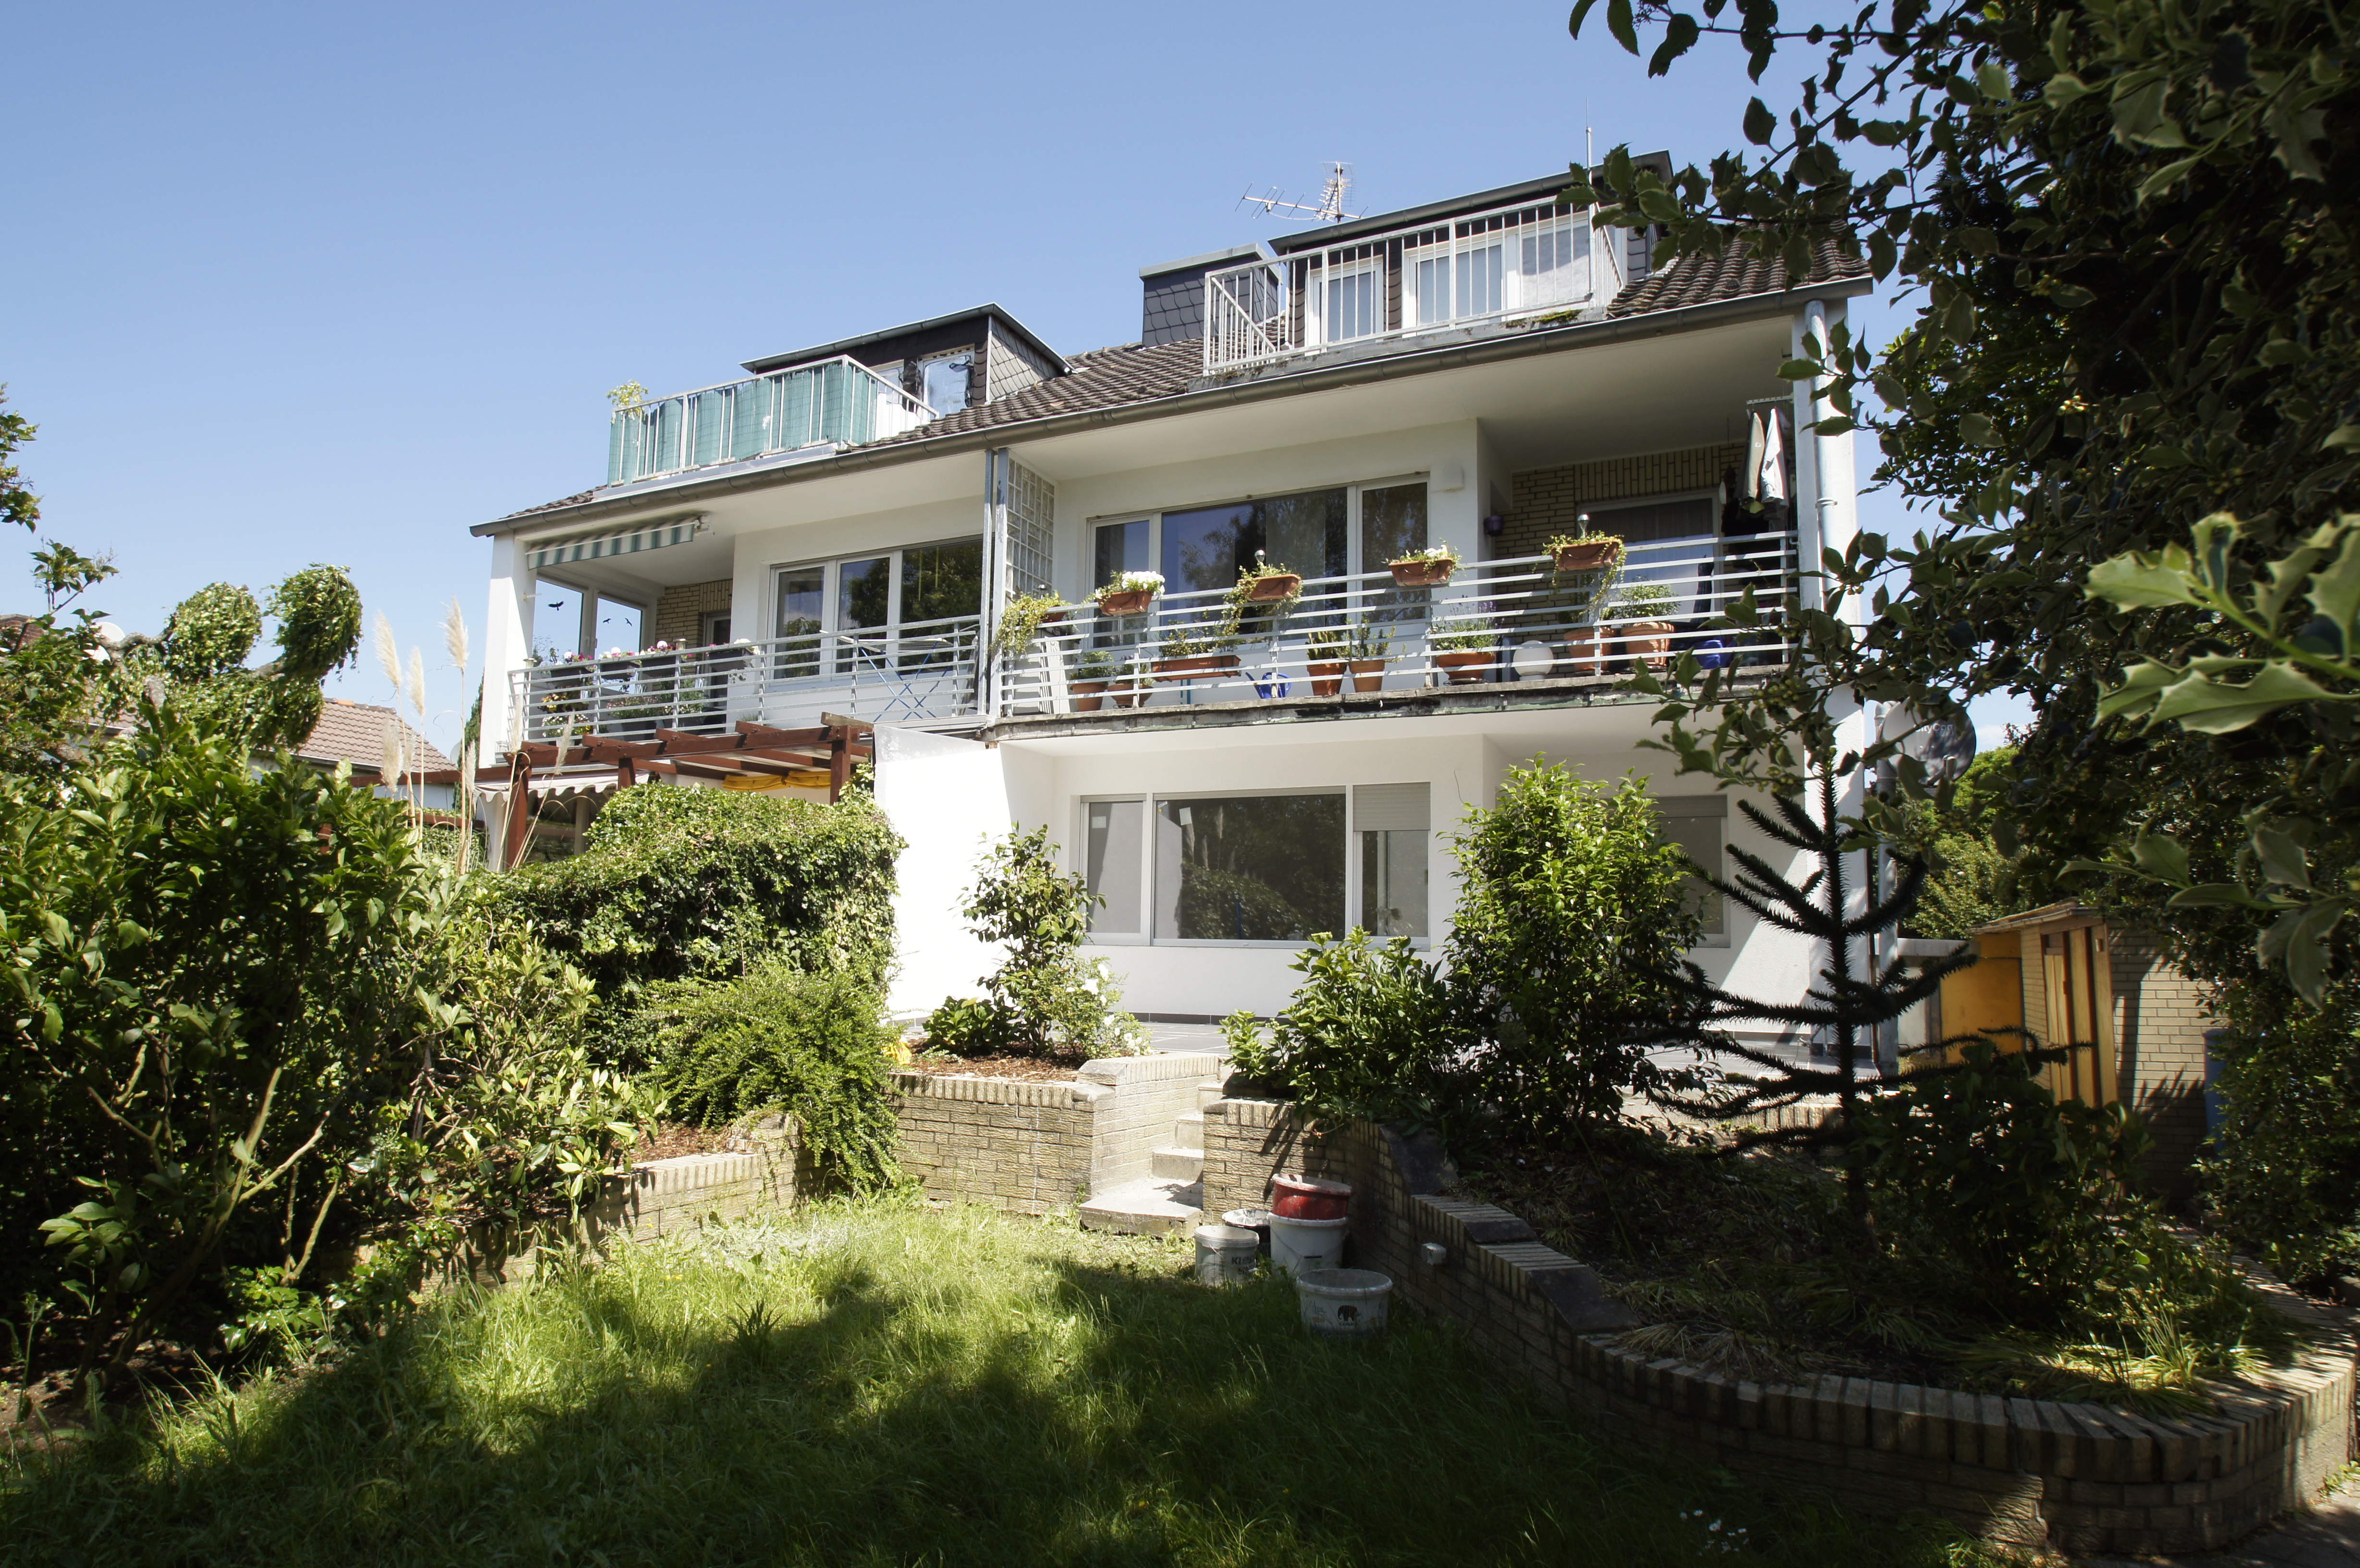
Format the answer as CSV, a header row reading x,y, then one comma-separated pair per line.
x,y
1733,275
355,732
1131,372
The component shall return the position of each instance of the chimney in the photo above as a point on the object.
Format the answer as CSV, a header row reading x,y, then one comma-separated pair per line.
x,y
1172,303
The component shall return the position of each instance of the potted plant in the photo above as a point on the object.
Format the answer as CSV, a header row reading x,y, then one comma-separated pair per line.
x,y
1125,688
1323,659
1361,648
1021,620
1643,632
1185,656
1588,550
1129,594
1428,568
1094,670
1463,650
1262,583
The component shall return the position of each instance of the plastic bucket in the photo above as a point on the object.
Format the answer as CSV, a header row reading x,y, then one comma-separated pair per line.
x,y
1226,1255
1297,1244
1254,1219
1343,1304
1309,1198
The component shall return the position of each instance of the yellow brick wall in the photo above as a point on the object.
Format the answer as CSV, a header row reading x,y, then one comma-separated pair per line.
x,y
1546,502
680,611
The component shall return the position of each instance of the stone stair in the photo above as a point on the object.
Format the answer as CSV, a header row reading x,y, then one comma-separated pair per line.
x,y
1172,1197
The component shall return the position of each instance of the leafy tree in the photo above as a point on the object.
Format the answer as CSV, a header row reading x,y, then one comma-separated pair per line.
x,y
18,505
2130,229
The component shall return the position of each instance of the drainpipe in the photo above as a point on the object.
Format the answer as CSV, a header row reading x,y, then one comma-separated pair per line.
x,y
995,553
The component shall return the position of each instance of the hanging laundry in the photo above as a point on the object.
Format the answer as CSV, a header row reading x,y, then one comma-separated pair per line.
x,y
1773,476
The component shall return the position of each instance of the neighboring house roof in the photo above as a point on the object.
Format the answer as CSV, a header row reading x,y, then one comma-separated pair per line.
x,y
2067,910
355,732
1130,374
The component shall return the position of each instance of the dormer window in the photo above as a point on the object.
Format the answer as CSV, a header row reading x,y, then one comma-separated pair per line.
x,y
946,380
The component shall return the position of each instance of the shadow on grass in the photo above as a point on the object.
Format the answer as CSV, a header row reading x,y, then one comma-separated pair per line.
x,y
869,1408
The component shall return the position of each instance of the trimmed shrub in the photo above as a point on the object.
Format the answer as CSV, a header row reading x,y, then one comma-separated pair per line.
x,y
1363,1036
677,884
782,1039
1045,999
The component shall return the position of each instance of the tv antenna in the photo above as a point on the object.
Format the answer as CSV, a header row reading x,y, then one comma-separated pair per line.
x,y
1330,207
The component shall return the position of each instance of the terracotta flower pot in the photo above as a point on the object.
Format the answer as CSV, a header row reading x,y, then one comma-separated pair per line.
x,y
1126,694
1130,602
1089,695
1649,640
1368,674
1327,680
1422,573
1466,666
1590,555
1195,667
1581,653
1271,590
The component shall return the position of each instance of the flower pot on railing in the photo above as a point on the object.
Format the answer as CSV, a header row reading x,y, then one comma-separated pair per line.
x,y
1126,601
1326,677
1586,555
1465,666
1581,653
1427,573
1368,674
1089,695
1195,667
1126,693
1271,589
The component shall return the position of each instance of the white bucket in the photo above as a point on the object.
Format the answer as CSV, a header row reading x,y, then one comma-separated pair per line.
x,y
1226,1255
1345,1304
1298,1245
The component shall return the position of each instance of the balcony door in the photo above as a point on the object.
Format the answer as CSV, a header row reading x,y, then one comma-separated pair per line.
x,y
884,612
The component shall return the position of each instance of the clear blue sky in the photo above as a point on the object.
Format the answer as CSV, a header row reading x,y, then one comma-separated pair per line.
x,y
297,283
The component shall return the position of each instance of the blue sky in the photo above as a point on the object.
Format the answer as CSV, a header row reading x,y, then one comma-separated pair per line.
x,y
297,283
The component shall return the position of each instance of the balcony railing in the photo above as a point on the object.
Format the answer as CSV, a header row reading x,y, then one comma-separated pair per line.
x,y
1514,261
834,402
1495,623
887,674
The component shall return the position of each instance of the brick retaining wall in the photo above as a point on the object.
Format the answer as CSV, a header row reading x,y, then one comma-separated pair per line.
x,y
2028,1472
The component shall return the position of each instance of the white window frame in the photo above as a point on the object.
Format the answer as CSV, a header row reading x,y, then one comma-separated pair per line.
x,y
1331,274
1151,803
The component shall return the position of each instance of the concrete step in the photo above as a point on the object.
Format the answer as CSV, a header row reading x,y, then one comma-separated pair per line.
x,y
1208,1091
1145,1208
1188,1130
1187,1164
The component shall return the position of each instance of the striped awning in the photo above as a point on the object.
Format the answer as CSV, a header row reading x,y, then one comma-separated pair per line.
x,y
637,540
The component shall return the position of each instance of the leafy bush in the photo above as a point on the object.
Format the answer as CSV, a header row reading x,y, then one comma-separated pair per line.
x,y
240,1028
1044,998
783,1040
1363,1036
677,884
2285,1176
1567,951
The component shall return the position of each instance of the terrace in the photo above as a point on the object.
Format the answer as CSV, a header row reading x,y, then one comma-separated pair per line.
x,y
816,409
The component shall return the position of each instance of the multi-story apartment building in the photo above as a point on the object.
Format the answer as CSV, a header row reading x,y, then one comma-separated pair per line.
x,y
834,542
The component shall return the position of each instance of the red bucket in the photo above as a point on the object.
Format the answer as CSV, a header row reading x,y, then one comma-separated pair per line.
x,y
1309,1198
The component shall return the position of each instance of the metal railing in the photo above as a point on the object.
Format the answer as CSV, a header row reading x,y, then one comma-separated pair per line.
x,y
1511,622
833,401
1511,261
915,672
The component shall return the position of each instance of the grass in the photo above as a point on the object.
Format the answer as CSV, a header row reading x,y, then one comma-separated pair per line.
x,y
888,1384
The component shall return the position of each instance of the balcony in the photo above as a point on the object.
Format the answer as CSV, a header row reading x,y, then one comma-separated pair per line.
x,y
904,674
1463,272
1501,624
835,402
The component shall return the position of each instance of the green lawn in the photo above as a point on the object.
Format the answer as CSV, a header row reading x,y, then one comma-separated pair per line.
x,y
892,1385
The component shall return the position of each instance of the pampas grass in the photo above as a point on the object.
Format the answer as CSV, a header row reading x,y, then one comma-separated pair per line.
x,y
388,657
455,636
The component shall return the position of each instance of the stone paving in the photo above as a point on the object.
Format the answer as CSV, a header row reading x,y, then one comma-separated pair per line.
x,y
2326,1536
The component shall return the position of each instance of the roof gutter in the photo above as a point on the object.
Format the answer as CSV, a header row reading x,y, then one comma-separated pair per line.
x,y
1420,362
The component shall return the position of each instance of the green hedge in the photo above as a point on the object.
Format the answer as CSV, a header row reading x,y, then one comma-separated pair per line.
x,y
677,884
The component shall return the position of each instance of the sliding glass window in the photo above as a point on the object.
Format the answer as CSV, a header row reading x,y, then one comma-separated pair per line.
x,y
1250,867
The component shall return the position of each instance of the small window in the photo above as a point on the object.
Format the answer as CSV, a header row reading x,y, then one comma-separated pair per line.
x,y
1355,304
1250,867
1432,290
948,382
1694,823
1114,864
1391,822
1480,270
715,629
1118,547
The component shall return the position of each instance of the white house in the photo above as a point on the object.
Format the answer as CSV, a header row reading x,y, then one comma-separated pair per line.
x,y
837,538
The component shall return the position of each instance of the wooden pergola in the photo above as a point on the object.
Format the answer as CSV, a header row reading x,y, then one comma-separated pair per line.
x,y
753,752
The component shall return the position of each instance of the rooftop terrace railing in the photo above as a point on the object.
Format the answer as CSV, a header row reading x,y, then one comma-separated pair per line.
x,y
835,401
916,672
1498,623
1512,261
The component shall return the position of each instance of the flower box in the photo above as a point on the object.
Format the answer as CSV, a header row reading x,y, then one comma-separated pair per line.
x,y
1588,555
1195,667
1465,666
1424,573
1278,585
1126,601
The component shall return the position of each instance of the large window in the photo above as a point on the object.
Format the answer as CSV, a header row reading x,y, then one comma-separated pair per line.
x,y
1205,549
838,614
1244,868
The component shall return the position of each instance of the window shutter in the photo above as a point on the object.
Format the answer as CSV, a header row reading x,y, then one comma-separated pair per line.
x,y
1390,808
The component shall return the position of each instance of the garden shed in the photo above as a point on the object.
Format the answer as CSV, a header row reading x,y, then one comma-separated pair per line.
x,y
2064,975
